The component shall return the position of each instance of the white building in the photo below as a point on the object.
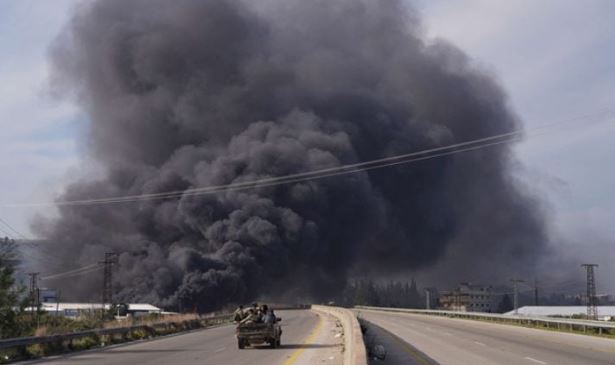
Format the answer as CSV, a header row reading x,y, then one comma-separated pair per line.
x,y
604,311
76,310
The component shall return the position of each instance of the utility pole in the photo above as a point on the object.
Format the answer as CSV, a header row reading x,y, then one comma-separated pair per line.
x,y
58,296
458,300
536,292
33,289
516,291
34,295
111,258
592,300
427,299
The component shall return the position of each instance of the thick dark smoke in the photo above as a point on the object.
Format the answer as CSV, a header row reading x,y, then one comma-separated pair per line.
x,y
191,93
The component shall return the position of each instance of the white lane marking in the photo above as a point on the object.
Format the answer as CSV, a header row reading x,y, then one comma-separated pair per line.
x,y
447,333
220,349
534,360
479,343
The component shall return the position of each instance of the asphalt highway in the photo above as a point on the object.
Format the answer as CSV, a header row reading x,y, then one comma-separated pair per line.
x,y
457,342
306,336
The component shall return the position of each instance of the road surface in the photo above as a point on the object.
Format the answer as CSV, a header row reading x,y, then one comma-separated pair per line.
x,y
307,338
396,350
457,342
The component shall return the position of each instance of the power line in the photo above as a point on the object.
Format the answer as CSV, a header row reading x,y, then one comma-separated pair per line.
x,y
303,176
12,229
71,272
81,273
7,234
320,173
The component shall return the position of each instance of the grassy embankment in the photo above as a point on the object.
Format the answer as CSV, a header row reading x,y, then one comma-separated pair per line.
x,y
150,326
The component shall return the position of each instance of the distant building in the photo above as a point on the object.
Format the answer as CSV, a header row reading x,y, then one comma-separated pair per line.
x,y
77,310
467,298
140,309
47,295
604,299
71,310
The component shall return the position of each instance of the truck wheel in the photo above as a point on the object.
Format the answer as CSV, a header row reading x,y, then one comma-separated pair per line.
x,y
278,342
240,344
273,344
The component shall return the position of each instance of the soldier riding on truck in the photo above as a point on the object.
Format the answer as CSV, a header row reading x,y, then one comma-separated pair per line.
x,y
259,325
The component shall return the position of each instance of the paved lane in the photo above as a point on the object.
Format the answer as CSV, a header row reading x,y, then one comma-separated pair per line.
x,y
459,342
214,346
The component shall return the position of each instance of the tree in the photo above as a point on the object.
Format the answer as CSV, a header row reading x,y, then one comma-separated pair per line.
x,y
414,298
366,294
505,304
9,295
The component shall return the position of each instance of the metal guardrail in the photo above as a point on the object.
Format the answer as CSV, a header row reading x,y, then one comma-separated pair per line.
x,y
559,323
354,346
37,340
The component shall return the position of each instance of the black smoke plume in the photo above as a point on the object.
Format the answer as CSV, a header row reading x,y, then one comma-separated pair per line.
x,y
191,93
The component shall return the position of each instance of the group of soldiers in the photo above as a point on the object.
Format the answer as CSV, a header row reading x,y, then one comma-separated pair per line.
x,y
254,314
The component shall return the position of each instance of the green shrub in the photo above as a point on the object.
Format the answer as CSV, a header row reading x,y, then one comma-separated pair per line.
x,y
85,343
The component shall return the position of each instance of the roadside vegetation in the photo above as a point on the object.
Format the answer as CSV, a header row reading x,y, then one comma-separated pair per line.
x,y
16,322
145,327
11,322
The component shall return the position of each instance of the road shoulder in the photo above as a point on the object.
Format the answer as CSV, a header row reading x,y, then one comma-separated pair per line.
x,y
326,345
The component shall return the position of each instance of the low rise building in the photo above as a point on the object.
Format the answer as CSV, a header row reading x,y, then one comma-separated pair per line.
x,y
468,297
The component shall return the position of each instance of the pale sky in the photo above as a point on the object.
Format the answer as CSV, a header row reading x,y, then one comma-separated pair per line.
x,y
555,58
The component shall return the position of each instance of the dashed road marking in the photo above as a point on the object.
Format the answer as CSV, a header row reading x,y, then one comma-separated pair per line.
x,y
220,349
534,360
479,343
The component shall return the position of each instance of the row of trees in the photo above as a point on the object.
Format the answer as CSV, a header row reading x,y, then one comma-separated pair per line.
x,y
397,295
391,294
9,292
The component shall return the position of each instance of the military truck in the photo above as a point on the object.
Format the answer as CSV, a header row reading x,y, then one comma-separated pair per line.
x,y
258,333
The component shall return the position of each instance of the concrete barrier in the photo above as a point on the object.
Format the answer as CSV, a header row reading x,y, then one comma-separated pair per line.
x,y
354,347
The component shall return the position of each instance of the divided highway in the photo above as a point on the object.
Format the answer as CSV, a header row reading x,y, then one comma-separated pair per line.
x,y
307,338
449,341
